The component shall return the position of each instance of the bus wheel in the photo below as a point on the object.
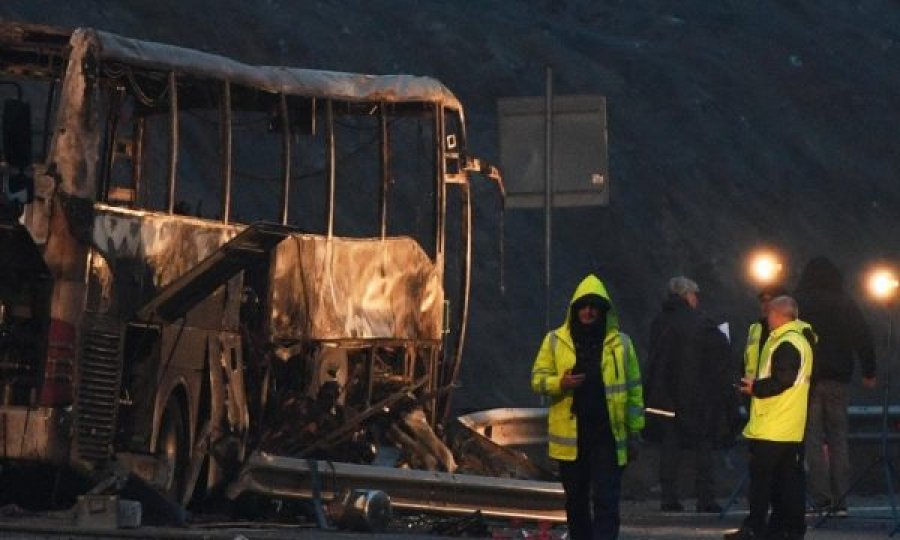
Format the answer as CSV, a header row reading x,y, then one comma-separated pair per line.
x,y
173,449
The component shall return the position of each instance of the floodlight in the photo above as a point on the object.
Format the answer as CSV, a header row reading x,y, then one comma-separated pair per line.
x,y
764,267
882,284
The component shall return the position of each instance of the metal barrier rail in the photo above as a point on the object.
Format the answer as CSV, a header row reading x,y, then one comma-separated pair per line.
x,y
509,426
408,489
528,426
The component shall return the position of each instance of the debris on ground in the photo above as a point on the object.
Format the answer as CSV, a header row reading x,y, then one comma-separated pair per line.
x,y
479,455
472,526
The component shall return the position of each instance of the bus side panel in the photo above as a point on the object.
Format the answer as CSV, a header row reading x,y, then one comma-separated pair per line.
x,y
137,254
146,251
355,288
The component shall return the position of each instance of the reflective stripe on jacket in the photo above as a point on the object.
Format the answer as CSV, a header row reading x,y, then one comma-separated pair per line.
x,y
621,377
783,417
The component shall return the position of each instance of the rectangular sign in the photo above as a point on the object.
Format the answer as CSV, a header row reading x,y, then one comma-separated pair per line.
x,y
580,158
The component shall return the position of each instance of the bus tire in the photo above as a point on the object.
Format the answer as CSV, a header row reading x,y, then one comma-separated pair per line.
x,y
172,448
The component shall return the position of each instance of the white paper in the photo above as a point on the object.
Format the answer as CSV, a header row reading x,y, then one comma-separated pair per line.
x,y
725,330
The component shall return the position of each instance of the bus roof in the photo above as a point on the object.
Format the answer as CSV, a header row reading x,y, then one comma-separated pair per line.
x,y
43,41
292,81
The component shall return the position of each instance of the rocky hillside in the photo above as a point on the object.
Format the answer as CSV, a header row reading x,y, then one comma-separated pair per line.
x,y
731,124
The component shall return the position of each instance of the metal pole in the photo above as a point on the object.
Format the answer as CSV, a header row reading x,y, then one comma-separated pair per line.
x,y
439,208
329,119
885,405
137,162
227,138
285,158
465,293
173,142
548,191
385,169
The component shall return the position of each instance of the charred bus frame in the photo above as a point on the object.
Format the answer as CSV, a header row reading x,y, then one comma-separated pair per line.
x,y
150,332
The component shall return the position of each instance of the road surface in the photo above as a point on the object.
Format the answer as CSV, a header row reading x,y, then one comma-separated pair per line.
x,y
870,518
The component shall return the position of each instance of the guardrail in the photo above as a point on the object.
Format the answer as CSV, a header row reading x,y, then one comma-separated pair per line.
x,y
528,426
448,493
408,489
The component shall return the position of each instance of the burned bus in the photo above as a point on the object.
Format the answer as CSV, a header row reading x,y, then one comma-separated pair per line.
x,y
200,258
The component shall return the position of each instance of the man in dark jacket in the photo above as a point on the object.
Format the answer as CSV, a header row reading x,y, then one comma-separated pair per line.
x,y
685,386
843,334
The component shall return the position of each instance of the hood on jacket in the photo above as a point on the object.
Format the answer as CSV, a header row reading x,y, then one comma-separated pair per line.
x,y
591,285
820,274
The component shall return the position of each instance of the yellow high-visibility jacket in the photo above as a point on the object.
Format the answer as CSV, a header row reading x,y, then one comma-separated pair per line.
x,y
782,418
621,377
752,350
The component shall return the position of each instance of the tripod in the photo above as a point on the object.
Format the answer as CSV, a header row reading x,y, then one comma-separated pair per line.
x,y
885,459
732,498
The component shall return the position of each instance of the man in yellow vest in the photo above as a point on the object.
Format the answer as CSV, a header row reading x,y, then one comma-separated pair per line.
x,y
774,433
759,330
590,372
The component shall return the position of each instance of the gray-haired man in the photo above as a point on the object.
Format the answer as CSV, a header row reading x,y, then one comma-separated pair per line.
x,y
687,376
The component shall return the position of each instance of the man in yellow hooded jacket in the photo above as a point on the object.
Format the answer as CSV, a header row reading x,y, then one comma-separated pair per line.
x,y
590,372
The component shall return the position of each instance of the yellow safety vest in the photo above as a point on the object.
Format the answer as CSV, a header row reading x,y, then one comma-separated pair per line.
x,y
621,377
782,418
751,351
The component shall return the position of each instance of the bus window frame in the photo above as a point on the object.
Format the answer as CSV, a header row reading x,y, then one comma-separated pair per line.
x,y
387,110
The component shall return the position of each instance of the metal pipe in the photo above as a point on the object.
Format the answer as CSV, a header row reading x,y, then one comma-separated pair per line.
x,y
351,424
285,158
173,142
439,185
548,192
109,149
434,354
137,160
465,293
385,170
329,134
225,131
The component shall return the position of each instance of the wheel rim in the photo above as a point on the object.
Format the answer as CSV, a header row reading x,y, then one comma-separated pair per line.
x,y
171,451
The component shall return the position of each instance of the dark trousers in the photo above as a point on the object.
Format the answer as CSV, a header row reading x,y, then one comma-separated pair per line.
x,y
592,484
776,481
826,424
670,461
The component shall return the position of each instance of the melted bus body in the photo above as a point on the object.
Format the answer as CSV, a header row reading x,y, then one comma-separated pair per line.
x,y
189,242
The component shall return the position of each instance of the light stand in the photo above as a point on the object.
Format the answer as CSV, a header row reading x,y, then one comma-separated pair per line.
x,y
886,459
883,285
732,498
